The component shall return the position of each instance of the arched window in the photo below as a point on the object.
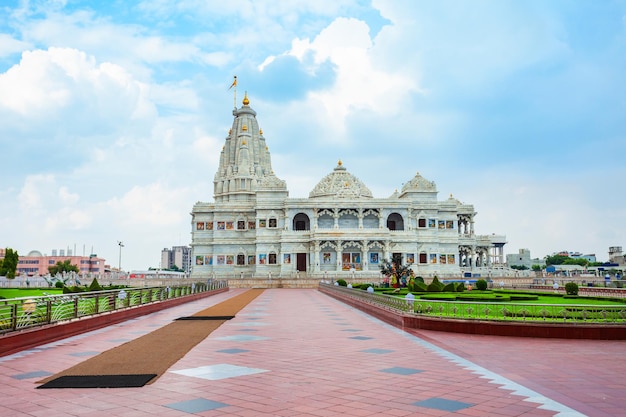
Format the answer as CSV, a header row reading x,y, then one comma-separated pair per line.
x,y
395,222
325,221
301,222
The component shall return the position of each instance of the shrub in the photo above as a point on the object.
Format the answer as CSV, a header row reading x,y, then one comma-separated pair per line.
x,y
449,287
342,282
58,284
435,285
460,287
95,286
481,285
73,289
571,288
420,279
442,296
420,286
524,297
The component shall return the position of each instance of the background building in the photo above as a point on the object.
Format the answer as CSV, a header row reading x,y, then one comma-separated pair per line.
x,y
37,264
616,256
522,258
177,255
591,257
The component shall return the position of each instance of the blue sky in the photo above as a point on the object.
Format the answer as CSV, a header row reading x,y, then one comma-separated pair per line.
x,y
112,117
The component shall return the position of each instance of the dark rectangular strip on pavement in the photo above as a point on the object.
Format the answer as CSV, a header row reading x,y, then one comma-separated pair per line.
x,y
99,381
206,318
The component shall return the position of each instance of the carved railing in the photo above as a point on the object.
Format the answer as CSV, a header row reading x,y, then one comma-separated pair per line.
x,y
494,311
26,312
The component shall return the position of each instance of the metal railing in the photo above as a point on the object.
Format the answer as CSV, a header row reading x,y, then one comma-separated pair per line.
x,y
27,312
492,311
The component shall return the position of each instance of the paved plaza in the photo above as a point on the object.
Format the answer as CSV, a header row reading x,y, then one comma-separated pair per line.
x,y
298,352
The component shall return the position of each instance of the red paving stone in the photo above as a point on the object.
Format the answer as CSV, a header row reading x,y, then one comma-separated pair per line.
x,y
323,358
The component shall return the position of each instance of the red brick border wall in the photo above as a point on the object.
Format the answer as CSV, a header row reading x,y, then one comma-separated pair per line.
x,y
26,339
491,328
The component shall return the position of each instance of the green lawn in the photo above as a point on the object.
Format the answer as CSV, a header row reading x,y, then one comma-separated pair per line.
x,y
545,307
490,297
28,292
577,301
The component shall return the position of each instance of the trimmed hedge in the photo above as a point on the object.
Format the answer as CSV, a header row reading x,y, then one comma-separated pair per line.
x,y
438,296
435,285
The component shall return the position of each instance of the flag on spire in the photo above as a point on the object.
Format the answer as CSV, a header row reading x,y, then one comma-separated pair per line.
x,y
234,84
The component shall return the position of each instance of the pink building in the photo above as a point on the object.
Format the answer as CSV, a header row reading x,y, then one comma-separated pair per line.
x,y
37,264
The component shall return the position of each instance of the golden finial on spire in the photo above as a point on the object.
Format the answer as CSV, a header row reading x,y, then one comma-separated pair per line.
x,y
261,132
245,99
244,128
339,163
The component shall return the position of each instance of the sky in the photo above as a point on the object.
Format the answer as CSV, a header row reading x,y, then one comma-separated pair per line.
x,y
113,114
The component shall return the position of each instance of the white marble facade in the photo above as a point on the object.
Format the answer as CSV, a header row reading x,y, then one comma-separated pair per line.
x,y
254,229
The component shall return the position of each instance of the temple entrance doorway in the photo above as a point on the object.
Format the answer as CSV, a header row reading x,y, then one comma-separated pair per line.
x,y
301,262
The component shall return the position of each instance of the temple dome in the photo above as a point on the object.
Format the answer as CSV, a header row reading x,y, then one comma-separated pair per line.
x,y
340,184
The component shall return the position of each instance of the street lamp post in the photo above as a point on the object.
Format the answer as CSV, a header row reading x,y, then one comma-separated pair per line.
x,y
119,268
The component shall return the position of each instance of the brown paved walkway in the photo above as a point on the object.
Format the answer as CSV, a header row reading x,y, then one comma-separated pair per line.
x,y
301,353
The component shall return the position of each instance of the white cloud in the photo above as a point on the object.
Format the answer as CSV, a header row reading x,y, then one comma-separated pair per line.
x,y
36,191
47,208
154,205
64,83
118,118
206,148
68,197
9,45
360,83
66,220
471,46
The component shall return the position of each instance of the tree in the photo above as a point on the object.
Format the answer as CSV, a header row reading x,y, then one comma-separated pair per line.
x,y
536,267
8,266
556,259
60,267
576,261
395,267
